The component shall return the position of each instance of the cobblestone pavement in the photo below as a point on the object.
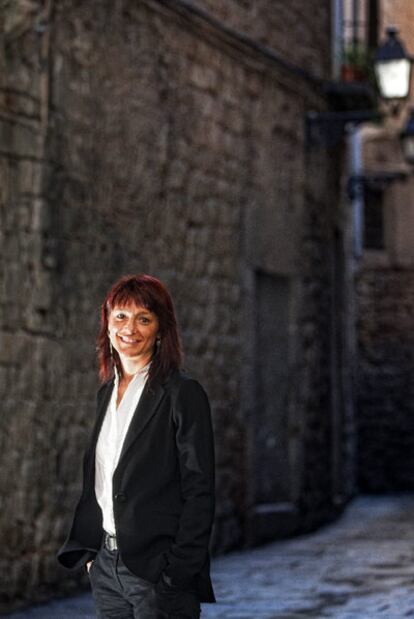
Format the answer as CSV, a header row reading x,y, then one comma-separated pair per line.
x,y
361,567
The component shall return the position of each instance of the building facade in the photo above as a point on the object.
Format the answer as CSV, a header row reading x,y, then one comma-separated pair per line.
x,y
170,138
384,286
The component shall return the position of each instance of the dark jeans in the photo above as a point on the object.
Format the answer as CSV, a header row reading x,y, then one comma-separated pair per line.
x,y
120,594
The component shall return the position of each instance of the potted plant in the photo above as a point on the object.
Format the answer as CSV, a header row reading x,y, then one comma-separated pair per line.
x,y
356,64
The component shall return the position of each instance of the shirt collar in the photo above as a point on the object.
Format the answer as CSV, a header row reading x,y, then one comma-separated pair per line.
x,y
141,372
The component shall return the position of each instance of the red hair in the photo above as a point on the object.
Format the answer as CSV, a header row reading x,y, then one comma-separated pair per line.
x,y
149,292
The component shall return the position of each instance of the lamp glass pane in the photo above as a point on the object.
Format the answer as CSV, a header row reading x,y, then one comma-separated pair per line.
x,y
394,78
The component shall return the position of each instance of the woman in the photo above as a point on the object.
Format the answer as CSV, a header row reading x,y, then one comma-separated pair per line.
x,y
143,522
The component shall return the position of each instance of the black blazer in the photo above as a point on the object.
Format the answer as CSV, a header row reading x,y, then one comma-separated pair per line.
x,y
163,488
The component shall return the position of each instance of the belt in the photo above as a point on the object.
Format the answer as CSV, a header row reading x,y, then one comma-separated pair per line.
x,y
110,541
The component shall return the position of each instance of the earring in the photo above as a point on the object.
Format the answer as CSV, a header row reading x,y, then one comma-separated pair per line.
x,y
158,342
111,349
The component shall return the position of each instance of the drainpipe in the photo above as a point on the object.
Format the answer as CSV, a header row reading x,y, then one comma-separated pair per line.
x,y
355,170
337,34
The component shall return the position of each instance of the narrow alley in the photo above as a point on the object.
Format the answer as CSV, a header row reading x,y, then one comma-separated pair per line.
x,y
362,566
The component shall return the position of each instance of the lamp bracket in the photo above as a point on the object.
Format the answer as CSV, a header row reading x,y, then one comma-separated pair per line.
x,y
328,128
378,181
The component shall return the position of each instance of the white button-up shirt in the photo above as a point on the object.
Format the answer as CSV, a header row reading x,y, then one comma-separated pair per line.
x,y
111,439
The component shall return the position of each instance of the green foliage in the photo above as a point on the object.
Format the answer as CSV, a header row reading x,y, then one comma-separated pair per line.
x,y
361,59
357,56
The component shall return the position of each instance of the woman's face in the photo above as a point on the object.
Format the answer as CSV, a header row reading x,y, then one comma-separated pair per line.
x,y
133,330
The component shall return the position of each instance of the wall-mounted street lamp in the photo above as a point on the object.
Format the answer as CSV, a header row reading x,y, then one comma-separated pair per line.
x,y
392,67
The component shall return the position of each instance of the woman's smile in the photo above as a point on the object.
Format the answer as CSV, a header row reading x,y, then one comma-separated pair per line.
x,y
127,340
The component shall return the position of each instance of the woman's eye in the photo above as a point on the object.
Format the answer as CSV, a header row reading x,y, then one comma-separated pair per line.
x,y
144,321
120,316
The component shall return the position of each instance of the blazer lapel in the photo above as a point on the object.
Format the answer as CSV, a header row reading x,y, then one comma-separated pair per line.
x,y
146,408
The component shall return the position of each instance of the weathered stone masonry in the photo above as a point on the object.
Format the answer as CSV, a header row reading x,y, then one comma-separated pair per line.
x,y
142,137
385,386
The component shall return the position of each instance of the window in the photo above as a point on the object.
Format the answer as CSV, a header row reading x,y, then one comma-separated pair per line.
x,y
360,23
355,36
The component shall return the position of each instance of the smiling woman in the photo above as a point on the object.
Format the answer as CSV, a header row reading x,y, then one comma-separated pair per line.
x,y
151,417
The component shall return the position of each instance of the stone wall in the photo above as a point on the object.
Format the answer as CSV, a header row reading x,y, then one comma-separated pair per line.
x,y
30,353
324,387
386,379
141,137
299,31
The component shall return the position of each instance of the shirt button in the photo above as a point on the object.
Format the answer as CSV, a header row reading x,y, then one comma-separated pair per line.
x,y
120,497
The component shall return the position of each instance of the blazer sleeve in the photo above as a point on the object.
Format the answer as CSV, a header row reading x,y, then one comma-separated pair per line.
x,y
195,448
87,518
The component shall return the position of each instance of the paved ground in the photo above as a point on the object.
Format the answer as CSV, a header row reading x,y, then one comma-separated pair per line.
x,y
360,567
